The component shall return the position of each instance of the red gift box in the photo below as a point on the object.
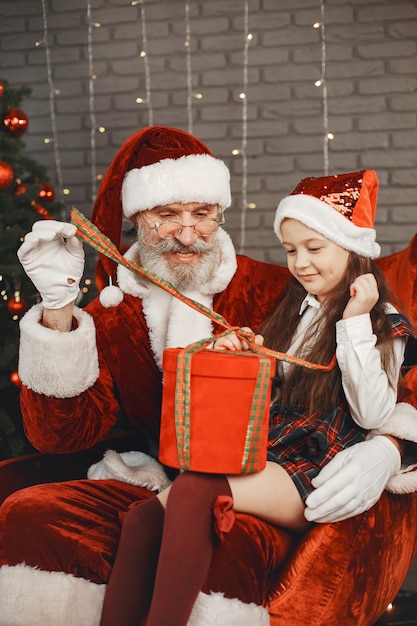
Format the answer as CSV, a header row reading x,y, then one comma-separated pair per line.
x,y
215,410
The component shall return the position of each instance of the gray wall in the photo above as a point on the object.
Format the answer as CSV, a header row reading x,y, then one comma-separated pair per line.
x,y
371,65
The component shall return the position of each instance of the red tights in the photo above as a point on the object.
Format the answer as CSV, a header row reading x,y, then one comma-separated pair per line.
x,y
163,557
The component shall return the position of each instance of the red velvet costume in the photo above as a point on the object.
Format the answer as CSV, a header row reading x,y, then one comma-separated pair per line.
x,y
71,397
83,539
127,364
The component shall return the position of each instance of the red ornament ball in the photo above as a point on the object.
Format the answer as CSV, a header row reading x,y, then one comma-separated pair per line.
x,y
15,122
6,175
15,379
17,306
47,192
1,89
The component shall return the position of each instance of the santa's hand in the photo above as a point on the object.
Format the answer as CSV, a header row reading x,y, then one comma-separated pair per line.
x,y
353,480
53,258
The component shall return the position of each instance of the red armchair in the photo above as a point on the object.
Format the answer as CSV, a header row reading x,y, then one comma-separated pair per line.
x,y
336,574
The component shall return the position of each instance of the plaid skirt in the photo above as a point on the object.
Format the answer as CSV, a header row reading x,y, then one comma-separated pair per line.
x,y
302,443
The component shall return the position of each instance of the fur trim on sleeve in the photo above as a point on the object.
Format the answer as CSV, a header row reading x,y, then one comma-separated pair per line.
x,y
134,468
403,425
55,363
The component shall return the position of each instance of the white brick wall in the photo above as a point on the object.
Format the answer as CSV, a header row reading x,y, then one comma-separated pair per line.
x,y
371,67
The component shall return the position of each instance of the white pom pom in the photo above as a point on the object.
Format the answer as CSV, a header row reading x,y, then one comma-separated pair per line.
x,y
111,296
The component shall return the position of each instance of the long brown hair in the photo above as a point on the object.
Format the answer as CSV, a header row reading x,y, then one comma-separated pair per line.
x,y
314,389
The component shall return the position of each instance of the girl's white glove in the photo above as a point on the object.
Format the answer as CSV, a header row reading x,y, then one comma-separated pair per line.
x,y
353,480
53,258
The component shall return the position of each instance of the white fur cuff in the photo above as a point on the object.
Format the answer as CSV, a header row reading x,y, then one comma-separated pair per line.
x,y
31,597
134,468
54,363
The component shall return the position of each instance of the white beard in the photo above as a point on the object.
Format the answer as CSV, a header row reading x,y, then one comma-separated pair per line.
x,y
184,277
171,322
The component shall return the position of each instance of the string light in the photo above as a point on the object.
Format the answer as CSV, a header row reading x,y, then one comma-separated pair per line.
x,y
86,287
144,55
327,136
52,93
242,151
190,93
93,121
187,45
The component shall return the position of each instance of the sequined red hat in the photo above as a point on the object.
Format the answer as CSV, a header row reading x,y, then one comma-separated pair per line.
x,y
340,207
158,165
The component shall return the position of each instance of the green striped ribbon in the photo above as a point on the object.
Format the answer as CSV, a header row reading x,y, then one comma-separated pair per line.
x,y
90,234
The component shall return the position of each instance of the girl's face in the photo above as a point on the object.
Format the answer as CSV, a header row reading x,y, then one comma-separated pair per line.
x,y
317,263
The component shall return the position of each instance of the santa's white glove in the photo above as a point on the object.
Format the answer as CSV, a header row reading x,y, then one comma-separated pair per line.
x,y
53,258
353,480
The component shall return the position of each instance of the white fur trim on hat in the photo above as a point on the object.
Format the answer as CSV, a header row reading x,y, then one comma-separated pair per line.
x,y
324,219
191,178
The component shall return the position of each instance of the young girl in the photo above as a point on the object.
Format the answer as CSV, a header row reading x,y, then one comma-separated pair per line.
x,y
337,301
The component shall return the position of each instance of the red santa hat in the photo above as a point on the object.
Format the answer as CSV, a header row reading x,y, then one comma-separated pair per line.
x,y
340,207
158,165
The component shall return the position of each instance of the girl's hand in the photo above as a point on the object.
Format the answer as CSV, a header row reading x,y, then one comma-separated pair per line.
x,y
364,295
233,342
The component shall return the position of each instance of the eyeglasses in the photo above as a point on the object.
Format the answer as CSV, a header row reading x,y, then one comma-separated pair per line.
x,y
168,229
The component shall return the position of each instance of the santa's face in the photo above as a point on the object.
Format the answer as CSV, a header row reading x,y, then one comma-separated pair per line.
x,y
179,242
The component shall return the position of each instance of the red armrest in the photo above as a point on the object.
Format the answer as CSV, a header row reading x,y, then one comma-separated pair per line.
x,y
39,468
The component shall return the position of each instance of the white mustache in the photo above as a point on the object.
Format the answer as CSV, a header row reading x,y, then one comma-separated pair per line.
x,y
169,246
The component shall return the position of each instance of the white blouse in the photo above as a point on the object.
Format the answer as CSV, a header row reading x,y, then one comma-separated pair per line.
x,y
370,396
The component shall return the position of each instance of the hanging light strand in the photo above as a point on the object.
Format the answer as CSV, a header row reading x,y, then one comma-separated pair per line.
x,y
243,148
52,92
189,68
327,135
93,121
145,57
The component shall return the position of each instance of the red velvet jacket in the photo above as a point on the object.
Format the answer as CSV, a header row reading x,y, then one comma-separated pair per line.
x,y
129,378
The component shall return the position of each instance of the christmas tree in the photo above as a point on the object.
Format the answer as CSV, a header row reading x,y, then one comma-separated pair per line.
x,y
25,197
